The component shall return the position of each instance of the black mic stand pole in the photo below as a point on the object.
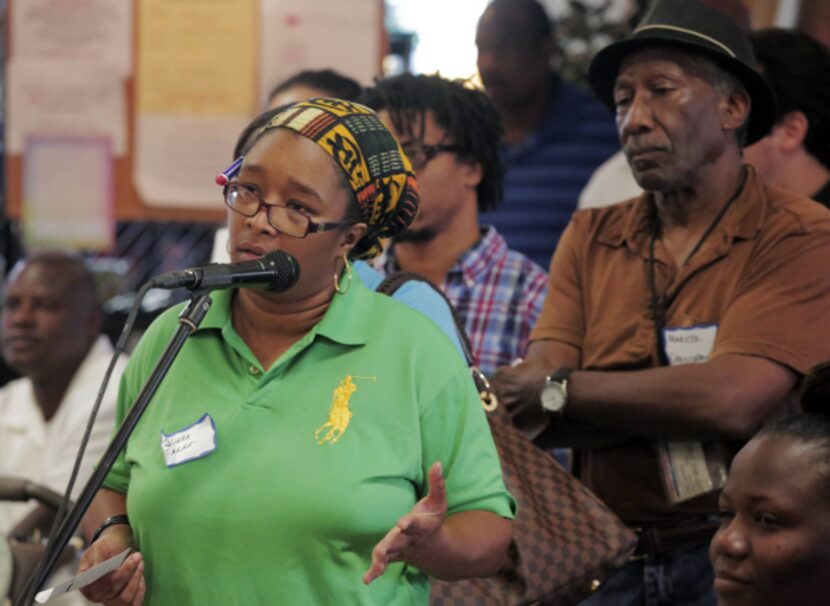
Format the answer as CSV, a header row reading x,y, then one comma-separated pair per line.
x,y
189,320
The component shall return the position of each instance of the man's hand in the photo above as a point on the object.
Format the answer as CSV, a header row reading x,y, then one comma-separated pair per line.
x,y
415,533
125,585
519,388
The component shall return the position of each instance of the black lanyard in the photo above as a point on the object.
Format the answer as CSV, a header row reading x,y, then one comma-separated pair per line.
x,y
659,305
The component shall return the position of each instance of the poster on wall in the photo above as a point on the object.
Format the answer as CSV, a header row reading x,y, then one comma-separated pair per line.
x,y
170,85
68,193
67,117
319,34
75,99
81,31
195,91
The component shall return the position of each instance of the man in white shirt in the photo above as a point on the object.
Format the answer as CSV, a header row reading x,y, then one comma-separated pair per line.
x,y
50,333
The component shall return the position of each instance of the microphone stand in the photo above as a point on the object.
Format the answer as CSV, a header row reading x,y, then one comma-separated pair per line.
x,y
189,320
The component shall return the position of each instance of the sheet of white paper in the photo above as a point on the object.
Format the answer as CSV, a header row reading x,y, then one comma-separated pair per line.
x,y
196,58
64,98
68,193
685,468
195,88
93,31
83,579
687,471
316,34
177,158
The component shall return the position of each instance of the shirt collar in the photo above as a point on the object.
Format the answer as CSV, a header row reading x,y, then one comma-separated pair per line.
x,y
349,317
478,260
219,314
632,225
20,411
346,321
27,415
474,263
87,373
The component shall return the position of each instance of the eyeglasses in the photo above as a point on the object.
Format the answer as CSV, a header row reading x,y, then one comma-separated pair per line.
x,y
420,154
287,221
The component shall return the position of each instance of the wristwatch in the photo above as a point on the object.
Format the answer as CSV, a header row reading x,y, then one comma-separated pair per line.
x,y
555,392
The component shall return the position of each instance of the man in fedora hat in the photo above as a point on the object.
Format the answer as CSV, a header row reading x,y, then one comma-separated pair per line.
x,y
678,322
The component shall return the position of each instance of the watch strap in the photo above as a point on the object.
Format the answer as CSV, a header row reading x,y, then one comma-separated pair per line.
x,y
560,375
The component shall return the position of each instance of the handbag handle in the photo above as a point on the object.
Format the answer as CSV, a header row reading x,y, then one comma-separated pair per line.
x,y
394,281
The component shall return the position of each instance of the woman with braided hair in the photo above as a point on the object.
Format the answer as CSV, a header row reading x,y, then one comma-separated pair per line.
x,y
773,545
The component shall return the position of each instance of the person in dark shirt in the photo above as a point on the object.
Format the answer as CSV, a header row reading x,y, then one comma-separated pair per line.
x,y
795,155
555,134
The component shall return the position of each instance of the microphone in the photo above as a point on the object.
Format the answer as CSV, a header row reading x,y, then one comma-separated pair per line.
x,y
277,271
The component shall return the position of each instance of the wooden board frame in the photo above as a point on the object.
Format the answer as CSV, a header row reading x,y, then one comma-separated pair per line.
x,y
127,202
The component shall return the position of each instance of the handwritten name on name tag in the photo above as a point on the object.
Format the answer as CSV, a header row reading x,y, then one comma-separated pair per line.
x,y
690,468
192,442
690,345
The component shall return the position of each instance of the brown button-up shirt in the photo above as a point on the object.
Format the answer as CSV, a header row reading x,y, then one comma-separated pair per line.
x,y
762,277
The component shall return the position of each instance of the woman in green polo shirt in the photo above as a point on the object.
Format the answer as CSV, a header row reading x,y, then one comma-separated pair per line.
x,y
324,445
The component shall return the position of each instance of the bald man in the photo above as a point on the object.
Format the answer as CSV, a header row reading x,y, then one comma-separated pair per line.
x,y
50,333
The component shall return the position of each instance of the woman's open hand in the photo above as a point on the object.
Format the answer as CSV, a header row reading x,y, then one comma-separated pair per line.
x,y
125,585
415,532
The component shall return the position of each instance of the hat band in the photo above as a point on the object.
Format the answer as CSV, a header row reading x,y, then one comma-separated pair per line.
x,y
690,32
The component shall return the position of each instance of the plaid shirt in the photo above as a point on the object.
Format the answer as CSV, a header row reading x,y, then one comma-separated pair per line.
x,y
497,294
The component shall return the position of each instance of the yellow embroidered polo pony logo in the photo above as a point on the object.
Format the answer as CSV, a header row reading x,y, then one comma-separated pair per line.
x,y
340,415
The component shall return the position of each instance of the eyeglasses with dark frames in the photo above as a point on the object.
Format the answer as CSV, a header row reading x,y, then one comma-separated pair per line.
x,y
421,154
290,222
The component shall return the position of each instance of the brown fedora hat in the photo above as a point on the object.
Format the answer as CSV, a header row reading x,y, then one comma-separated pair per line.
x,y
690,26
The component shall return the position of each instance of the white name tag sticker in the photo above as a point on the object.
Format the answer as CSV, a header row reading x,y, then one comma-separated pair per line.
x,y
690,468
685,471
689,345
192,442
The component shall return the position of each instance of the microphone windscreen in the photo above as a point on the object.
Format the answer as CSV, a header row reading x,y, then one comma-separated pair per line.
x,y
285,267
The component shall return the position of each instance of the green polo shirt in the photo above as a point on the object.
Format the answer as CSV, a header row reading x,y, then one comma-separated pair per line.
x,y
315,458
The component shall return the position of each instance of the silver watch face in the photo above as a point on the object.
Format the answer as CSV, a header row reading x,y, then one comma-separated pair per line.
x,y
554,396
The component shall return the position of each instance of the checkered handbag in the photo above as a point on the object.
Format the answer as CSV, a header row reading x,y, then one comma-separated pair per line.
x,y
566,542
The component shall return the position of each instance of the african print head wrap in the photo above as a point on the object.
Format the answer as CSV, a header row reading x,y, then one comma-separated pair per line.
x,y
376,168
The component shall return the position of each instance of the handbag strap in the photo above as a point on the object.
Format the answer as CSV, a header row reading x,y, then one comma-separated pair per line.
x,y
389,287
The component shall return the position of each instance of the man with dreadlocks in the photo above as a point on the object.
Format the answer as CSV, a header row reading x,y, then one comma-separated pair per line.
x,y
451,133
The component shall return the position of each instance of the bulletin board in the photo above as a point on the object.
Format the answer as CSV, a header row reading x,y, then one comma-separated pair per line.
x,y
127,109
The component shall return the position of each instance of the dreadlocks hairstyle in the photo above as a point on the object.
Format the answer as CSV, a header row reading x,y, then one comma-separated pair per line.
x,y
467,115
811,429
